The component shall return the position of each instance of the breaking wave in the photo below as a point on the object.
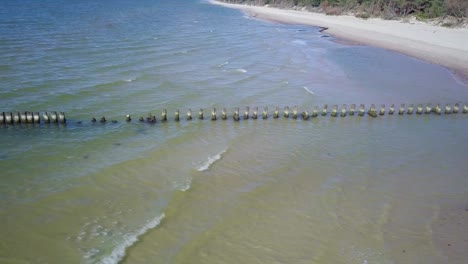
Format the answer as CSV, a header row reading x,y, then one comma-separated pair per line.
x,y
119,252
210,161
240,70
307,90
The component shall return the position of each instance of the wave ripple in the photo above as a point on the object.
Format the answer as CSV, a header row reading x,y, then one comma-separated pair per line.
x,y
119,252
211,159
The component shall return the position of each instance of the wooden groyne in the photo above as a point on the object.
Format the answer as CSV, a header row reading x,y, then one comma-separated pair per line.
x,y
12,118
32,117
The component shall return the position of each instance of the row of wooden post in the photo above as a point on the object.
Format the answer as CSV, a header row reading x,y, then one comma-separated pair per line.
x,y
59,117
295,113
32,117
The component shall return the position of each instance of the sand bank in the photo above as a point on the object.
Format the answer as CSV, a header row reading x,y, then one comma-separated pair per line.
x,y
445,46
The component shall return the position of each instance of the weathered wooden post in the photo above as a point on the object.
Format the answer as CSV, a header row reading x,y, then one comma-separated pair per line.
x,y
164,115
152,118
456,108
419,110
305,115
265,113
352,109
16,117
29,117
324,110
189,114
276,113
391,110
8,118
372,111
128,118
315,111
45,117
401,111
294,113
465,109
334,111
448,109
246,112
224,114
23,117
410,109
236,114
286,112
437,109
382,110
344,110
36,118
53,117
2,118
61,118
200,114
362,110
255,113
213,115
177,115
428,109
102,120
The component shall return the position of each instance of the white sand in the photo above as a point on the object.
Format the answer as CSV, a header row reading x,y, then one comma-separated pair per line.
x,y
440,45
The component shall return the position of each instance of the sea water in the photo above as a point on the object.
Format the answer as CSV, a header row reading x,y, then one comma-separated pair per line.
x,y
327,190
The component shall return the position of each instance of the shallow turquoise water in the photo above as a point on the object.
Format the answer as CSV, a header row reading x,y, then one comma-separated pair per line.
x,y
96,193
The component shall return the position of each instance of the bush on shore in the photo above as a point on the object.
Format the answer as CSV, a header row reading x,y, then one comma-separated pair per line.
x,y
387,9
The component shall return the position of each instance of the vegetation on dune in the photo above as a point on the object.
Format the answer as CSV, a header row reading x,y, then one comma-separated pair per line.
x,y
387,9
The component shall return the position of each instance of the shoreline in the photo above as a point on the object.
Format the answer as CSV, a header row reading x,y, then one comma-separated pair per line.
x,y
433,44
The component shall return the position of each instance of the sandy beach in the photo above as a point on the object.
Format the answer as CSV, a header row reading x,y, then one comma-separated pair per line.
x,y
445,46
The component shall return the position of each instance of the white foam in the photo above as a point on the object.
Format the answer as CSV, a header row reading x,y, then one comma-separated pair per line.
x,y
240,70
307,90
119,252
186,186
91,253
212,159
223,64
299,42
130,80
